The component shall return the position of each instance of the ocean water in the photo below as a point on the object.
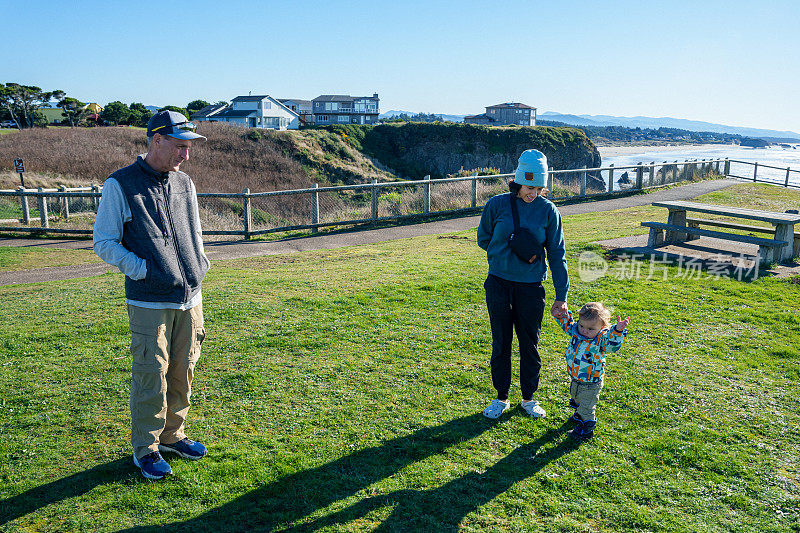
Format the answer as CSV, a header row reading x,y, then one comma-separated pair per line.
x,y
775,156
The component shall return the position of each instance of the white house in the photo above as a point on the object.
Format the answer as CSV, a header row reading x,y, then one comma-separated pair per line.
x,y
258,112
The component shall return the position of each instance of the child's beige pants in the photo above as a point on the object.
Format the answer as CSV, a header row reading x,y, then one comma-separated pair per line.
x,y
165,345
586,395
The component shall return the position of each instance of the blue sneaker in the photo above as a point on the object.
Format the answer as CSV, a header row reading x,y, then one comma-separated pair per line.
x,y
153,466
186,448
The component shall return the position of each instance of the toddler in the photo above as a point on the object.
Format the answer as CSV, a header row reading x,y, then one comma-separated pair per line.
x,y
591,338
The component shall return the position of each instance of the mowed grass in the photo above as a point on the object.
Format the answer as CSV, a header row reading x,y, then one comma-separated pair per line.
x,y
341,391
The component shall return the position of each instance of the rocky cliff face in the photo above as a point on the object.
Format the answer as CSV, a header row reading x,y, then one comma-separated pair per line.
x,y
414,150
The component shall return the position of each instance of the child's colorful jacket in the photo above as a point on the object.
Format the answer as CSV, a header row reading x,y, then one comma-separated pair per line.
x,y
587,357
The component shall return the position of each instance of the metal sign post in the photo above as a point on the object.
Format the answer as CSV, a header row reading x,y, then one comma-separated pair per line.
x,y
19,166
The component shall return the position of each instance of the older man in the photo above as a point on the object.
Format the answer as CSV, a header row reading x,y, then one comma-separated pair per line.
x,y
148,226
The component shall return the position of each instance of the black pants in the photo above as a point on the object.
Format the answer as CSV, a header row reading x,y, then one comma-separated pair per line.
x,y
520,306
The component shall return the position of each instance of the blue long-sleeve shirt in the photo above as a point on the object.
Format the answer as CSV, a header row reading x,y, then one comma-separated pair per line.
x,y
542,218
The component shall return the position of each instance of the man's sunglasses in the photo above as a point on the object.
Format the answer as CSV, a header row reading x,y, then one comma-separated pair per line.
x,y
181,126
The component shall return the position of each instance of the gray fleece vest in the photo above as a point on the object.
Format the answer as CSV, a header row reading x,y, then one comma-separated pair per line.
x,y
162,231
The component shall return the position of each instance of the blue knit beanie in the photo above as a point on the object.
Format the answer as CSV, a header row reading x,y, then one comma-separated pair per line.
x,y
531,169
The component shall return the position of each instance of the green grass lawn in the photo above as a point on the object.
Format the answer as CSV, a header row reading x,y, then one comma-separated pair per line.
x,y
341,391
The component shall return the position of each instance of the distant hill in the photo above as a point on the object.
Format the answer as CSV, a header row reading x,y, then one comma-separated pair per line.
x,y
667,122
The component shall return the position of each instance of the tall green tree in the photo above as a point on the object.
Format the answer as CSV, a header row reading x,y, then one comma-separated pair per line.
x,y
115,113
22,102
73,110
139,115
177,109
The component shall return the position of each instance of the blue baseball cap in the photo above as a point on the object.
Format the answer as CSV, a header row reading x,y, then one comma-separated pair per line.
x,y
172,124
531,169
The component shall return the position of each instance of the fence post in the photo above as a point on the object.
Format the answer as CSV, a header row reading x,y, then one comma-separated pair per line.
x,y
95,189
716,166
64,203
583,181
755,171
550,180
652,172
475,189
374,199
246,214
43,209
315,209
727,167
639,175
23,200
787,176
426,200
611,178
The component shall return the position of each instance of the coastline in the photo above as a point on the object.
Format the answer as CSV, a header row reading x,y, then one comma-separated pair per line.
x,y
612,150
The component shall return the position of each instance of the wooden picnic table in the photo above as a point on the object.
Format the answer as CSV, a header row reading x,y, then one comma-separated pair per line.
x,y
782,247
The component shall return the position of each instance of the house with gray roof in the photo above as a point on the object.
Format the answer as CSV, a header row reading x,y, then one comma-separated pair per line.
x,y
259,111
207,113
345,109
507,114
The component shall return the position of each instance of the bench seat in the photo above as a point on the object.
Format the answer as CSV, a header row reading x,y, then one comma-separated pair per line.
x,y
766,247
695,222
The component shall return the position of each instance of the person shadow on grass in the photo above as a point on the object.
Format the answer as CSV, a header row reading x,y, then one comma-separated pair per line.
x,y
444,508
64,489
280,504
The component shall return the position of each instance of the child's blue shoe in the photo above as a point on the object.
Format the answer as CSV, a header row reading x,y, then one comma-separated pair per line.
x,y
153,466
583,431
575,418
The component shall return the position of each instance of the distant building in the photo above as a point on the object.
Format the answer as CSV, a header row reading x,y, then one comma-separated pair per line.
x,y
345,109
262,111
207,113
302,107
505,115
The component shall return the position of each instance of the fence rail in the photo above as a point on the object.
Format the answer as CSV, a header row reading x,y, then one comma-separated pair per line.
x,y
247,214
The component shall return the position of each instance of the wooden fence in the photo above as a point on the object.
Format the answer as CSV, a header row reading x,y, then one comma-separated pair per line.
x,y
71,211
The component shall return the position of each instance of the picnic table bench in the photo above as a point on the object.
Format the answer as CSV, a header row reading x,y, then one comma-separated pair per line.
x,y
784,245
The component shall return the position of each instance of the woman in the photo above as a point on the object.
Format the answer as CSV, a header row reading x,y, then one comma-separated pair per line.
x,y
514,294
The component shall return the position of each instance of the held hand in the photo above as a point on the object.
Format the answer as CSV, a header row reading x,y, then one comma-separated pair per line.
x,y
559,309
622,324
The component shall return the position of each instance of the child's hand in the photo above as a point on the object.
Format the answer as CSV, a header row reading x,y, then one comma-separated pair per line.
x,y
621,324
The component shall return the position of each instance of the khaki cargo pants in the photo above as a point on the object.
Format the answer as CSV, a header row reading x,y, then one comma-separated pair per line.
x,y
586,395
165,345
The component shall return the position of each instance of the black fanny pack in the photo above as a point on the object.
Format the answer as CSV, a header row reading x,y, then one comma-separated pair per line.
x,y
522,242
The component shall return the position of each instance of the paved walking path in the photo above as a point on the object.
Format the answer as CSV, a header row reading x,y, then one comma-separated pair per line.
x,y
218,250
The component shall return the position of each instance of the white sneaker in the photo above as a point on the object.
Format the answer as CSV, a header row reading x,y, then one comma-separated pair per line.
x,y
533,408
496,408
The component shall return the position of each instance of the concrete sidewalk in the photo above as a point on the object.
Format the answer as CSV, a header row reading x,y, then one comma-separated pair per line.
x,y
220,250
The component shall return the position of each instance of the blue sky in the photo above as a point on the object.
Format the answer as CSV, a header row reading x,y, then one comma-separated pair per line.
x,y
731,62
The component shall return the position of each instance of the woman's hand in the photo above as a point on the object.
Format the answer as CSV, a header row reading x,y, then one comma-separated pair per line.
x,y
559,309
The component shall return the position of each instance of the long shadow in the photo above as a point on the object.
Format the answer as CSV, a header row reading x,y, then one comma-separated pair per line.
x,y
64,488
289,499
444,508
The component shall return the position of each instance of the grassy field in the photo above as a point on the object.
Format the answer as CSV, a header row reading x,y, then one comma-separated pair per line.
x,y
341,391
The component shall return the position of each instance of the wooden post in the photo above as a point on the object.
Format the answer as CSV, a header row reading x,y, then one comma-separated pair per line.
x,y
716,166
246,213
583,181
315,209
787,176
95,189
727,167
374,199
611,178
755,171
23,200
64,203
426,200
550,180
652,172
43,209
639,175
475,189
